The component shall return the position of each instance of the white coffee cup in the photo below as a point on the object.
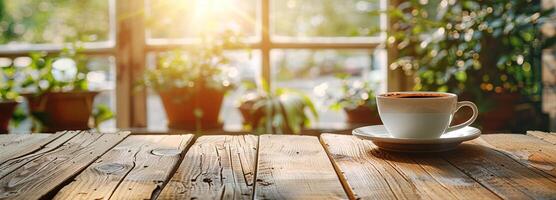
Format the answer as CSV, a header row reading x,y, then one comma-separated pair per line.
x,y
421,115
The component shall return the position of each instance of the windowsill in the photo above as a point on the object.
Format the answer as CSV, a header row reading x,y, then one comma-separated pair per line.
x,y
316,129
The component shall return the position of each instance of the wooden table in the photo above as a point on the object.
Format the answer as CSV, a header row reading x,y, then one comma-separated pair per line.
x,y
73,165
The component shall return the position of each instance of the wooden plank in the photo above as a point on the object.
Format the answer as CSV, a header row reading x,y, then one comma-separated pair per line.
x,y
31,152
295,167
525,149
548,137
370,173
14,145
10,139
215,167
500,173
48,169
136,168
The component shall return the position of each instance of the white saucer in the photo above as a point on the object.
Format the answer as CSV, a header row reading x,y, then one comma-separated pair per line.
x,y
448,141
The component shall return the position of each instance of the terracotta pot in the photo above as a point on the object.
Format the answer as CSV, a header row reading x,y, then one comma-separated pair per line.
x,y
180,104
363,115
63,110
6,111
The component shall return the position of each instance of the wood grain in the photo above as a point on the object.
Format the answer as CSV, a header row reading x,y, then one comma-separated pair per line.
x,y
525,149
548,137
295,167
370,173
500,173
215,167
15,145
137,168
47,168
32,151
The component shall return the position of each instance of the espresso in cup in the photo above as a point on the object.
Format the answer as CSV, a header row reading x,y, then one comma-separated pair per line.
x,y
421,115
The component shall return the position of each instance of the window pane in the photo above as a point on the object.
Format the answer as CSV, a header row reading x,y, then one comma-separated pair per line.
x,y
103,77
304,70
191,18
325,18
54,21
248,68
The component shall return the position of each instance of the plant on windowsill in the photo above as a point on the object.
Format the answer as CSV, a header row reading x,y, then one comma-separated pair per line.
x,y
57,92
192,82
486,51
9,99
357,99
282,111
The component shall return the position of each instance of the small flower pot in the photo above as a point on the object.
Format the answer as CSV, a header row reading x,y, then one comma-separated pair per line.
x,y
63,110
363,115
6,111
180,105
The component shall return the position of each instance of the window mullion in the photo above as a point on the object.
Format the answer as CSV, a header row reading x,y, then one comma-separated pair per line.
x,y
131,58
265,41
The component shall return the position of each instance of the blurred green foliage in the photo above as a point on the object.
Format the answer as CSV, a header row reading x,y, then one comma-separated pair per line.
x,y
53,21
277,111
63,72
8,83
201,66
8,91
101,113
325,18
471,46
44,74
354,93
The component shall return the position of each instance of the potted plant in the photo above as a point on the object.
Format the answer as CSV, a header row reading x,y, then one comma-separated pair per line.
x,y
357,99
59,97
282,111
192,83
8,96
486,51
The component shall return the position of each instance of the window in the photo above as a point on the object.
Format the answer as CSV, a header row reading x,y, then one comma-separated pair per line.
x,y
295,43
46,25
55,21
310,19
308,42
182,19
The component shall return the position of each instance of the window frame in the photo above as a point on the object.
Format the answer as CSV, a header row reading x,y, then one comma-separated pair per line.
x,y
130,51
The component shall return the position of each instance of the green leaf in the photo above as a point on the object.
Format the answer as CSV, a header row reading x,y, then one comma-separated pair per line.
x,y
18,116
461,76
102,113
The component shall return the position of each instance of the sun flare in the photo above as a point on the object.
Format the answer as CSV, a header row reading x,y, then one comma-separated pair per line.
x,y
204,17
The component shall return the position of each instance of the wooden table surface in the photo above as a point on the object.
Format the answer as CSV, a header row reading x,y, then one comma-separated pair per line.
x,y
85,165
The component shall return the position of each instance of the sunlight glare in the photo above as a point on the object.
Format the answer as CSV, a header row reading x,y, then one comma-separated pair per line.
x,y
214,15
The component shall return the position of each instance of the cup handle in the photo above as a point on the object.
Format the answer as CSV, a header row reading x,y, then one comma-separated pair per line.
x,y
469,121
